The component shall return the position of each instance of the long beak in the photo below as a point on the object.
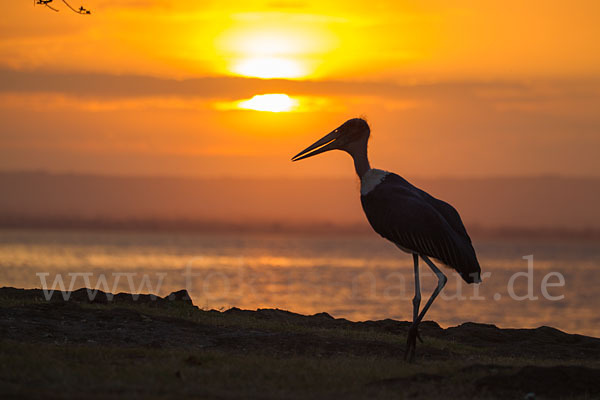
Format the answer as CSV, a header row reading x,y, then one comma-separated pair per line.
x,y
322,145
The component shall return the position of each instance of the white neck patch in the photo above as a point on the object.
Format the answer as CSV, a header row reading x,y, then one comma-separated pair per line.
x,y
371,179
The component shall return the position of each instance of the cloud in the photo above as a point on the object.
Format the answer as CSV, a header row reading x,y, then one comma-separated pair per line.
x,y
566,97
461,127
119,86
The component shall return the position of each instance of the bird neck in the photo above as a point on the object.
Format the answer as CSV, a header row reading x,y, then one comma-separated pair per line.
x,y
361,161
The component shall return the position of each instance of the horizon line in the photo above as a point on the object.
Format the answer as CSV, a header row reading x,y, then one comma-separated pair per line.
x,y
203,225
125,175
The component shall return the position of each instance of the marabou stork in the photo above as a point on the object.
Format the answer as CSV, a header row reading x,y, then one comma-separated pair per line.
x,y
409,217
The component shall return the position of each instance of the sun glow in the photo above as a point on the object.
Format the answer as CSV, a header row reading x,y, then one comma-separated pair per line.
x,y
276,102
283,47
269,67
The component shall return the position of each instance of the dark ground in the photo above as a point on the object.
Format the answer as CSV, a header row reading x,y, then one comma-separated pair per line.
x,y
168,348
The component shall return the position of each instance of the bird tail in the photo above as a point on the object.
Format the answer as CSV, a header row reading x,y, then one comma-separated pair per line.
x,y
470,270
471,277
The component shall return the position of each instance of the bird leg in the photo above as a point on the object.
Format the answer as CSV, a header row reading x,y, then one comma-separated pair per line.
x,y
417,299
413,332
441,283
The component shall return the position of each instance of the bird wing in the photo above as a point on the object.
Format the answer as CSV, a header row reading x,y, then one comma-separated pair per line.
x,y
448,212
416,221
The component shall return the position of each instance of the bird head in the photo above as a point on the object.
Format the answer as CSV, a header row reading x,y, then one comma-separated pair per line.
x,y
347,137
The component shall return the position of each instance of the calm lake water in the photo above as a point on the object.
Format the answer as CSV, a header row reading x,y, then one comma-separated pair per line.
x,y
355,277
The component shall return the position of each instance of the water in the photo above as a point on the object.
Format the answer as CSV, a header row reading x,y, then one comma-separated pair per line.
x,y
355,277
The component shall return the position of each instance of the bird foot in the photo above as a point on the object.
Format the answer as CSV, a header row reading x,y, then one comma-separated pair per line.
x,y
411,343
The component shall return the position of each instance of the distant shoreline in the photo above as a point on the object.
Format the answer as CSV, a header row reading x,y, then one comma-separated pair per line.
x,y
207,226
544,207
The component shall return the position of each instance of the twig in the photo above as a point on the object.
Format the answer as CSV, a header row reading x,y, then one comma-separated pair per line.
x,y
81,9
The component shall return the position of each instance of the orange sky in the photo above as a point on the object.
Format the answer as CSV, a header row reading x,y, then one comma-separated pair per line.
x,y
161,87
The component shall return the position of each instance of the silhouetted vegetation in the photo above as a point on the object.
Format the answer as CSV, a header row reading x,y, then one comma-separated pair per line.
x,y
46,3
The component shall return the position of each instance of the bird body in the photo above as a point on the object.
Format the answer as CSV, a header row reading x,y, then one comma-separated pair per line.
x,y
417,222
411,218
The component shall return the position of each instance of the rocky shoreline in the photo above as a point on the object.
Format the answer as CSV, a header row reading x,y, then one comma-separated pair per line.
x,y
542,362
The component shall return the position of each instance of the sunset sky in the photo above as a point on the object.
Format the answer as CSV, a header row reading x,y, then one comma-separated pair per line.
x,y
212,88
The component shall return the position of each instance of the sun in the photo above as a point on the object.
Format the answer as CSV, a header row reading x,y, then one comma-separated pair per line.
x,y
274,102
269,67
274,51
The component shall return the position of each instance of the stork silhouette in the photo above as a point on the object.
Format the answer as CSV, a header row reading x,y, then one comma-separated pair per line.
x,y
409,217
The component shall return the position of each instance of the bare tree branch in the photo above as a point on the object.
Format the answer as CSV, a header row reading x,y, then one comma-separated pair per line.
x,y
80,10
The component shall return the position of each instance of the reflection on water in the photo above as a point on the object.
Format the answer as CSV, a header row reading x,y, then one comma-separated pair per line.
x,y
356,277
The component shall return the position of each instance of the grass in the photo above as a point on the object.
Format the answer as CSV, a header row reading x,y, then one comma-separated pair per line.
x,y
69,371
